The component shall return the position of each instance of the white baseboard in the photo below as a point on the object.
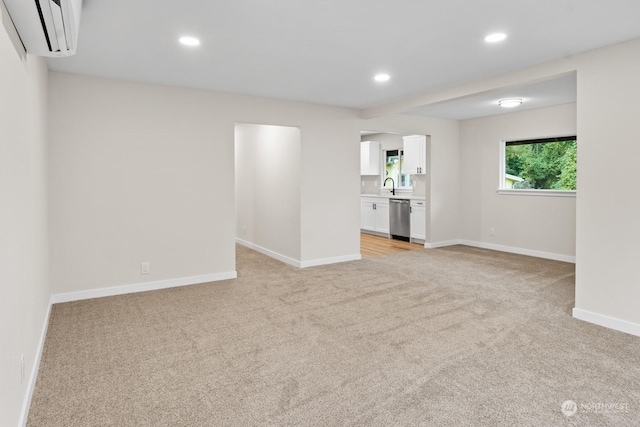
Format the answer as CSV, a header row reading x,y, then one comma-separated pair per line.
x,y
141,287
520,251
441,244
607,322
295,262
501,248
31,385
269,253
375,233
332,260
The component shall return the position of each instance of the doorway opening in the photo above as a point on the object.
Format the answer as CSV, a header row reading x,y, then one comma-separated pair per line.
x,y
267,190
393,173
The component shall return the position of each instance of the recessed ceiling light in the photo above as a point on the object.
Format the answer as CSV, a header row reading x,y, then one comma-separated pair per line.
x,y
382,77
495,37
510,103
189,41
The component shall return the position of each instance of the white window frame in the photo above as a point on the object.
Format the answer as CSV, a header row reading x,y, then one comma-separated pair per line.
x,y
383,171
530,191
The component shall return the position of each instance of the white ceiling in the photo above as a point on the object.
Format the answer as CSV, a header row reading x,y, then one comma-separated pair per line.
x,y
326,52
561,90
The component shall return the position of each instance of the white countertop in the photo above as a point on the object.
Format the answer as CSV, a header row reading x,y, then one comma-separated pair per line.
x,y
397,196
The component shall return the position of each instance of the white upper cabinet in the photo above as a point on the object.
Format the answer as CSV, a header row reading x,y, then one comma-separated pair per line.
x,y
415,154
370,158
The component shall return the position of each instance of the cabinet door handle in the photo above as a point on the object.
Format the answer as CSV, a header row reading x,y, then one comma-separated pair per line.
x,y
374,206
410,209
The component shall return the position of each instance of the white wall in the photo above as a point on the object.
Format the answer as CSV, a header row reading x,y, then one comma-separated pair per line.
x,y
138,174
608,207
268,187
388,141
146,173
330,201
24,279
533,223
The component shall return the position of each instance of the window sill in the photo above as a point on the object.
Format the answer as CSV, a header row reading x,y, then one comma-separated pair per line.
x,y
547,193
399,189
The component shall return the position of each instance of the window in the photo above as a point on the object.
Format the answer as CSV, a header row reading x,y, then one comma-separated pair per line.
x,y
540,164
394,168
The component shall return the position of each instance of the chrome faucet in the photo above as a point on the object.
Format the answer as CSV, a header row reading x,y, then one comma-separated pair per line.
x,y
393,185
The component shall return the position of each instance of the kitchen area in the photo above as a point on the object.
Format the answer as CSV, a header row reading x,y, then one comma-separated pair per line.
x,y
393,172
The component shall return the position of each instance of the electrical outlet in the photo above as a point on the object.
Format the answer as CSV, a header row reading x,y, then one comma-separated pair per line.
x,y
145,268
22,369
492,231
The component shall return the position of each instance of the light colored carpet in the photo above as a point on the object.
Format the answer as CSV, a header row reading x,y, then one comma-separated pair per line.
x,y
445,337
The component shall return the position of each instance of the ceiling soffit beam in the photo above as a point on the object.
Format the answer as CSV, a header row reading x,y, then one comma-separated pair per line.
x,y
533,74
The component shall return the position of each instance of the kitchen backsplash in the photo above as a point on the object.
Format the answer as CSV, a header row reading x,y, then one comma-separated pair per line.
x,y
419,185
371,185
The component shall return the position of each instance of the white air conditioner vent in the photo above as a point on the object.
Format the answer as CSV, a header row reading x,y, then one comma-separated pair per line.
x,y
47,27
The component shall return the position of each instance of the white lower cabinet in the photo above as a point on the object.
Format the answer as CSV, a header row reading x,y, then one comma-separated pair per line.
x,y
367,216
382,216
374,214
418,219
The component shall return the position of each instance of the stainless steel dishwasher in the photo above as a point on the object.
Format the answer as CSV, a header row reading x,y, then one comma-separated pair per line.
x,y
399,219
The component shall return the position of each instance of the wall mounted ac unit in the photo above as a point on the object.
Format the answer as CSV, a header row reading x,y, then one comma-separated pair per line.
x,y
46,27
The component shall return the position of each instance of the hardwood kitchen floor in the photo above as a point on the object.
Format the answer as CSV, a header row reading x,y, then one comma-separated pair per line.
x,y
371,245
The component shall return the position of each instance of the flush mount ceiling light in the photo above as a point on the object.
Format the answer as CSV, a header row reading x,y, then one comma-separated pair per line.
x,y
382,77
495,37
510,103
189,41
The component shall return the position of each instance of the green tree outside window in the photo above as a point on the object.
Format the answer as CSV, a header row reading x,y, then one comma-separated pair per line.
x,y
548,164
